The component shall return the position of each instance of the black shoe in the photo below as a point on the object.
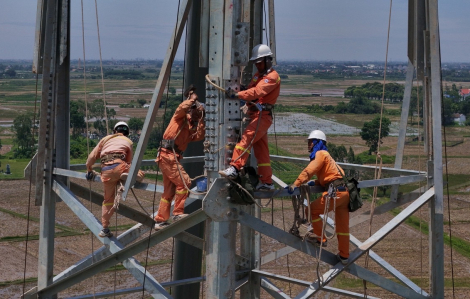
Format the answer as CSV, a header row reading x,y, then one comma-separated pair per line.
x,y
343,260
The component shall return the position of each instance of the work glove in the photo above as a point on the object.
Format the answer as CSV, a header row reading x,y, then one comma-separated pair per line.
x,y
244,109
291,188
90,176
311,183
230,93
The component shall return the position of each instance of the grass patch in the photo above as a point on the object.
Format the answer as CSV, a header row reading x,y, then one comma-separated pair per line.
x,y
17,167
370,159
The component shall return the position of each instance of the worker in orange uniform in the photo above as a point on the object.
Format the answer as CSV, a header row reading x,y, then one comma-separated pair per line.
x,y
115,153
186,125
260,97
328,173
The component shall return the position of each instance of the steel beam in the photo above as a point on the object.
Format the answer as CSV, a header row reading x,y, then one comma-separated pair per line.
x,y
131,264
381,262
367,245
392,181
169,284
126,253
284,237
157,95
388,170
306,283
272,290
405,111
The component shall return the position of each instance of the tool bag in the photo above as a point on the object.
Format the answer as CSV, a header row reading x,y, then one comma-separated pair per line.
x,y
248,182
355,200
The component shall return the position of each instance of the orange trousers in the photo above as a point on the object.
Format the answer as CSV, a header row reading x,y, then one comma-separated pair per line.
x,y
173,186
317,207
260,145
110,176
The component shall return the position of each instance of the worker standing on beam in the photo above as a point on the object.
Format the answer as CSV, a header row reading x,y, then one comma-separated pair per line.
x,y
115,153
328,173
186,125
260,97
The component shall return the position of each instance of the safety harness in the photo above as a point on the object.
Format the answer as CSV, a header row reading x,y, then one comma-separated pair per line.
x,y
111,157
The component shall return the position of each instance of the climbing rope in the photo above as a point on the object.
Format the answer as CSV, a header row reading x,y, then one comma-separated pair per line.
x,y
30,187
158,168
378,170
101,67
447,188
87,137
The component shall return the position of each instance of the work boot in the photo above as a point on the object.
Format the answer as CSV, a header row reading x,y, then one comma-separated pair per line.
x,y
343,260
264,187
105,232
179,217
161,225
125,175
229,173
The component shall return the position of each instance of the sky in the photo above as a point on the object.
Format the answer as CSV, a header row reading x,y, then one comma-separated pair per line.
x,y
340,30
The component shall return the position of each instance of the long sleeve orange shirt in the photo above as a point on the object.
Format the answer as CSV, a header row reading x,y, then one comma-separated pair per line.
x,y
116,143
323,166
180,121
266,89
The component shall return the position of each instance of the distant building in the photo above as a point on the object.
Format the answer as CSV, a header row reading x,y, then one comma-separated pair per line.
x,y
460,119
464,92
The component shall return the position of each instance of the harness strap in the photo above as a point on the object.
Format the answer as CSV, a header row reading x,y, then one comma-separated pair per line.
x,y
112,156
169,144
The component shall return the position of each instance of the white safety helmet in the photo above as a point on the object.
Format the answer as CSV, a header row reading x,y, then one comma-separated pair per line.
x,y
122,124
260,51
317,134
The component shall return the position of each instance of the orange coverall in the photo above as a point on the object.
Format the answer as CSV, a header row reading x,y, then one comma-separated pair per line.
x,y
111,171
265,90
325,168
183,132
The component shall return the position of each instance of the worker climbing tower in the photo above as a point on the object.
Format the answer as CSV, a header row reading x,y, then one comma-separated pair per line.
x,y
222,33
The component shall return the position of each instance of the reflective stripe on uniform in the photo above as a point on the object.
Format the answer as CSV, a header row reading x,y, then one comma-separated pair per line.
x,y
316,220
241,148
278,79
182,192
108,204
264,164
342,234
165,200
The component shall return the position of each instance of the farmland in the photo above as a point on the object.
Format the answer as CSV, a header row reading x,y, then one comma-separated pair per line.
x,y
406,248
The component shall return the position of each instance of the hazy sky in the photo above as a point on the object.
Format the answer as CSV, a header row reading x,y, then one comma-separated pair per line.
x,y
305,29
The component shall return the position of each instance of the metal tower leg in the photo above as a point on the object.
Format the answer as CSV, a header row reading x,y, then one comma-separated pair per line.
x,y
436,240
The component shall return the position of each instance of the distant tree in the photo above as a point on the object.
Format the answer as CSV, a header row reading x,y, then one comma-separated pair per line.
x,y
350,157
23,139
155,138
77,117
370,132
135,124
10,73
141,102
339,153
172,90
